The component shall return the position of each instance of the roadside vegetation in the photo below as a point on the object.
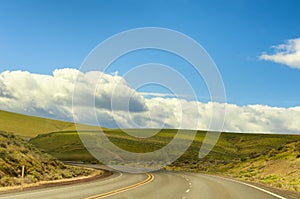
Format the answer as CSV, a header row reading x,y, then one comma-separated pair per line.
x,y
16,152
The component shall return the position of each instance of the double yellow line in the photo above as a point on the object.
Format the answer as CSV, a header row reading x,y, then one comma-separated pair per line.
x,y
117,191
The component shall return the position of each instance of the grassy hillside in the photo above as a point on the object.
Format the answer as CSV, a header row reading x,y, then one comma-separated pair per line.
x,y
15,152
67,147
29,126
270,159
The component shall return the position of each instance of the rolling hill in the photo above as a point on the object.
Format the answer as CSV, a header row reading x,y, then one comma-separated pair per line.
x,y
30,126
269,159
273,160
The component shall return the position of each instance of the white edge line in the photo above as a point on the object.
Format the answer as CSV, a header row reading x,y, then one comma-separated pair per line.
x,y
249,185
255,187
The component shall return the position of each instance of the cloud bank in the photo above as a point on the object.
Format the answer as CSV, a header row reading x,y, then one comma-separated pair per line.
x,y
287,53
51,96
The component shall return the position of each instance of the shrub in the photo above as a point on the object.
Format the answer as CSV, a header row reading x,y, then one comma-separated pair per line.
x,y
3,145
6,181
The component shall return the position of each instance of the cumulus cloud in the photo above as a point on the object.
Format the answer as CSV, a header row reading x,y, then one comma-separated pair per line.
x,y
287,53
51,95
118,105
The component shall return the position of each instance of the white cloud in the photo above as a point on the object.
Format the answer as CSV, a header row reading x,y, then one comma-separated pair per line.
x,y
51,96
150,94
288,54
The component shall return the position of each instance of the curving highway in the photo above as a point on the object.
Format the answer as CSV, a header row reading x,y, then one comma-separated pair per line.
x,y
163,184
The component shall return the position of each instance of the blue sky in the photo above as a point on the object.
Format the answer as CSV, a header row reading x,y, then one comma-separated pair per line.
x,y
40,36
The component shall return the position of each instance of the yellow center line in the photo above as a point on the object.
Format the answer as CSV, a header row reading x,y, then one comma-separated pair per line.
x,y
117,191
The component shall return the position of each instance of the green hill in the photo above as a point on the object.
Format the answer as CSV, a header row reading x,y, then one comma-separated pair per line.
x,y
269,159
30,126
15,152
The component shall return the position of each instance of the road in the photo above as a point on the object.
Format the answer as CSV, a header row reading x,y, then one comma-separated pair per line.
x,y
156,185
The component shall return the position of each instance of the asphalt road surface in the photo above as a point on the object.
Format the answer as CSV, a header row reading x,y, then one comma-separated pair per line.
x,y
157,185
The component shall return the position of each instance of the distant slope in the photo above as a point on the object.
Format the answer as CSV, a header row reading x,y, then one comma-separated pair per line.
x,y
273,160
39,166
30,126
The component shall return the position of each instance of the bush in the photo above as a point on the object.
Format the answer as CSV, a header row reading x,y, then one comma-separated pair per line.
x,y
24,151
6,181
3,145
3,154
